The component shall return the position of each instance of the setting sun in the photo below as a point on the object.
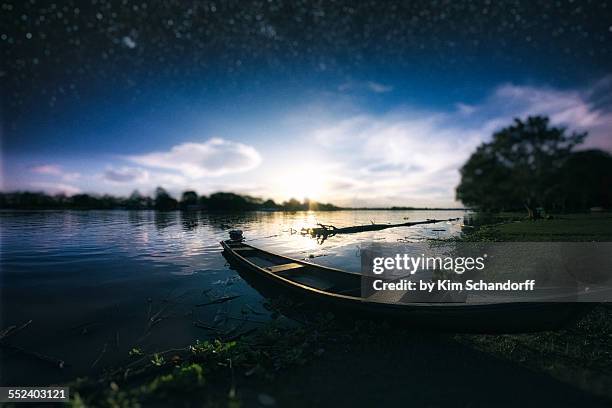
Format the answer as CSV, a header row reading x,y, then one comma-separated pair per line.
x,y
303,183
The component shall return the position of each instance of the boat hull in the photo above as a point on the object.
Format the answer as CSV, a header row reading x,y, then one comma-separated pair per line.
x,y
468,318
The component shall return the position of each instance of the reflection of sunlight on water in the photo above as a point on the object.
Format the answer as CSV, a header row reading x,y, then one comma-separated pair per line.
x,y
142,237
189,242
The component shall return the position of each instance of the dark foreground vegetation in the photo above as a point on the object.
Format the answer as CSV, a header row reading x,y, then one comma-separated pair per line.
x,y
581,354
162,201
323,361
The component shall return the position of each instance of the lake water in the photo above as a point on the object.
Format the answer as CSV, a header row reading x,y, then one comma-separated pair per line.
x,y
98,283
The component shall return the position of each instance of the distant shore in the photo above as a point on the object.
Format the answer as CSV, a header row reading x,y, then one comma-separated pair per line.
x,y
189,201
253,210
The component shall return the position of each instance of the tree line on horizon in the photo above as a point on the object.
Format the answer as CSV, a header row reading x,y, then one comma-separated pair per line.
x,y
162,201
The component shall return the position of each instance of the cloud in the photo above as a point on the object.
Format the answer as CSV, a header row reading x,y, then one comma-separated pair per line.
x,y
213,158
406,156
55,188
412,156
403,152
465,109
568,107
370,86
390,168
55,170
47,169
587,109
126,175
378,88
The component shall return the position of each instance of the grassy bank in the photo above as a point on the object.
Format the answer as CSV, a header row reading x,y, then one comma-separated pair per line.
x,y
565,227
325,361
580,355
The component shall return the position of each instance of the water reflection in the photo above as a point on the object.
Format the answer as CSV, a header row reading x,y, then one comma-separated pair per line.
x,y
189,220
63,269
190,240
163,219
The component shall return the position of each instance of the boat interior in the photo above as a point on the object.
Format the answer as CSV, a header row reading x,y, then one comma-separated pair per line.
x,y
304,273
332,280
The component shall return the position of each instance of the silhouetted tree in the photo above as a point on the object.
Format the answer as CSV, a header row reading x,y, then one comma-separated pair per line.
x,y
84,201
269,205
163,200
587,181
189,199
137,202
293,205
231,202
520,167
203,202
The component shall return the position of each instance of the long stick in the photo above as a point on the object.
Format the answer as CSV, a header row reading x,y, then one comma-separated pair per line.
x,y
219,300
13,329
332,230
54,361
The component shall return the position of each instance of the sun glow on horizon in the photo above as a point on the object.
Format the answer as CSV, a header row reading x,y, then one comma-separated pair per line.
x,y
303,182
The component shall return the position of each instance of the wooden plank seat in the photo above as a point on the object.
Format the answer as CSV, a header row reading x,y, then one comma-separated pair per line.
x,y
244,249
284,267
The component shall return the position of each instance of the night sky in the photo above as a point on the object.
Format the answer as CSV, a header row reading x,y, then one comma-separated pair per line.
x,y
359,103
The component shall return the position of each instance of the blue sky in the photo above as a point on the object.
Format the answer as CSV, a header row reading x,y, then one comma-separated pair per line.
x,y
329,145
345,119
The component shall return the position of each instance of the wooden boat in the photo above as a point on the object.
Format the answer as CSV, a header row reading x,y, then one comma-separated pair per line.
x,y
335,290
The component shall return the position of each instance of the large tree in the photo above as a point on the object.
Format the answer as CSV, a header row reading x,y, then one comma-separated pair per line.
x,y
519,168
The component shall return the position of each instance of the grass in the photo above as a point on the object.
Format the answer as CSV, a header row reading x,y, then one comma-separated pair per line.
x,y
362,363
207,372
221,373
566,227
580,355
